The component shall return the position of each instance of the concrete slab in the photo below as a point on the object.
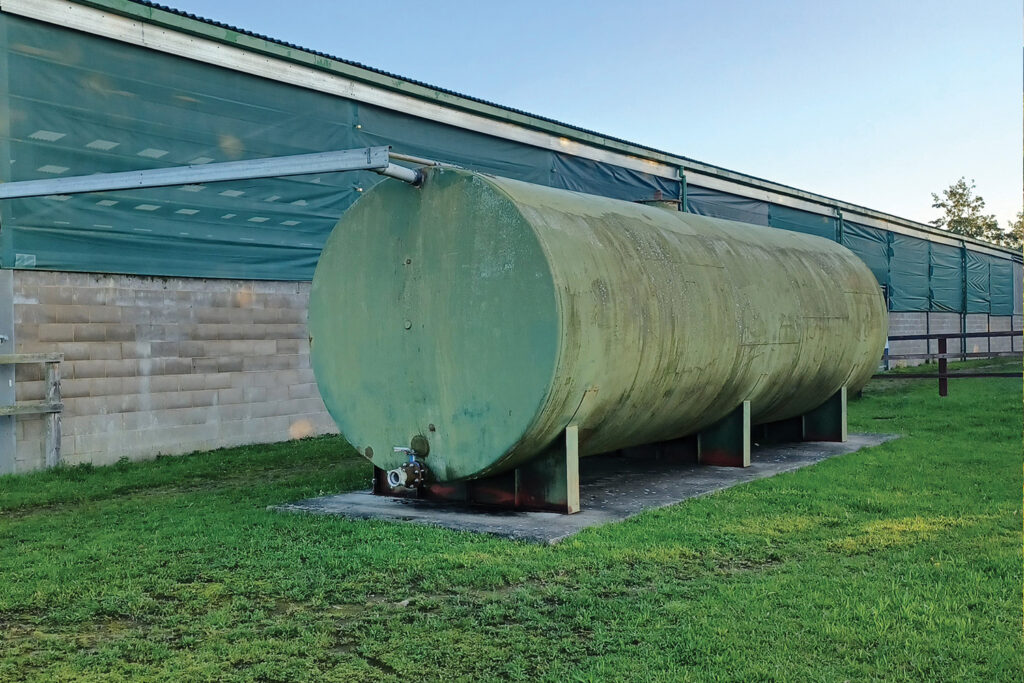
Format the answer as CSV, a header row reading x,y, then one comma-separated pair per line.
x,y
612,488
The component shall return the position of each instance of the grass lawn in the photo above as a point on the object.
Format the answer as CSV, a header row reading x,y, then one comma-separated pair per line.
x,y
901,562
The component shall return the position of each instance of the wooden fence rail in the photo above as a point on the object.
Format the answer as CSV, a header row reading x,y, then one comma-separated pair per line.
x,y
50,407
943,355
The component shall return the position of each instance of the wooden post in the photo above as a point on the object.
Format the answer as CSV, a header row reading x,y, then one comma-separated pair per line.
x,y
943,381
52,419
50,407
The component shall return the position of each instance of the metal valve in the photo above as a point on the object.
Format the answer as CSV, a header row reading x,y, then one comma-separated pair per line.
x,y
412,474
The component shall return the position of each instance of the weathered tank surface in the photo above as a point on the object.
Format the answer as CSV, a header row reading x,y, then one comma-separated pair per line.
x,y
474,318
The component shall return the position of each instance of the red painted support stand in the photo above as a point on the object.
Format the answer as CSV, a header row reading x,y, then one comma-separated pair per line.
x,y
727,442
827,422
548,483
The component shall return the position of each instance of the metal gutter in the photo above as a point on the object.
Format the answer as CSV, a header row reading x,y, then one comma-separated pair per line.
x,y
567,138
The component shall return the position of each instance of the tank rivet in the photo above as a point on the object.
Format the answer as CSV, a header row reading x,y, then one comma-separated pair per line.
x,y
408,261
408,324
432,428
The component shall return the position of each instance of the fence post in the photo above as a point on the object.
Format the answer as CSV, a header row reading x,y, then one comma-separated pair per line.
x,y
52,419
943,380
963,300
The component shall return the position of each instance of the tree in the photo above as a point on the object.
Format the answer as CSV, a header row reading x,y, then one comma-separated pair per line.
x,y
962,213
1015,233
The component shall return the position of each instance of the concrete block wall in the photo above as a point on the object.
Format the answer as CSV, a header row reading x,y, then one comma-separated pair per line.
x,y
159,365
944,323
977,322
998,324
906,323
937,323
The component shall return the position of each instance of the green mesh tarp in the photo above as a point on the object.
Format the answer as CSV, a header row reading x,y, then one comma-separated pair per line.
x,y
908,273
707,202
977,283
76,104
872,245
73,104
1018,289
1000,283
583,175
802,221
946,281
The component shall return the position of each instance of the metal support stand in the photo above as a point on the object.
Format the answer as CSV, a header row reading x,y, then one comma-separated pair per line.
x,y
727,442
827,422
549,482
782,431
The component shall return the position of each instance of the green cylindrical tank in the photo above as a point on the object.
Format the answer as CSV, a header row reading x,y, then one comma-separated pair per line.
x,y
472,319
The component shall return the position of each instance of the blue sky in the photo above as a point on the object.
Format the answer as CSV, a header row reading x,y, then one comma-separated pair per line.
x,y
876,103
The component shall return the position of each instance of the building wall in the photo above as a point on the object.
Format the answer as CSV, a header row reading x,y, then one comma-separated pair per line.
x,y
165,365
157,365
938,323
907,323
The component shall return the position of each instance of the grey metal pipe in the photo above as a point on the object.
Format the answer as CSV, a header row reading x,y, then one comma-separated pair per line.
x,y
409,175
370,158
421,161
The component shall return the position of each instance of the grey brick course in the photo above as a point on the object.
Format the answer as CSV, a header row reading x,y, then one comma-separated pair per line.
x,y
159,365
165,365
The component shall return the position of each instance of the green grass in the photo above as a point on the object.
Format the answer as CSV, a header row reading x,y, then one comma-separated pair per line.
x,y
902,562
